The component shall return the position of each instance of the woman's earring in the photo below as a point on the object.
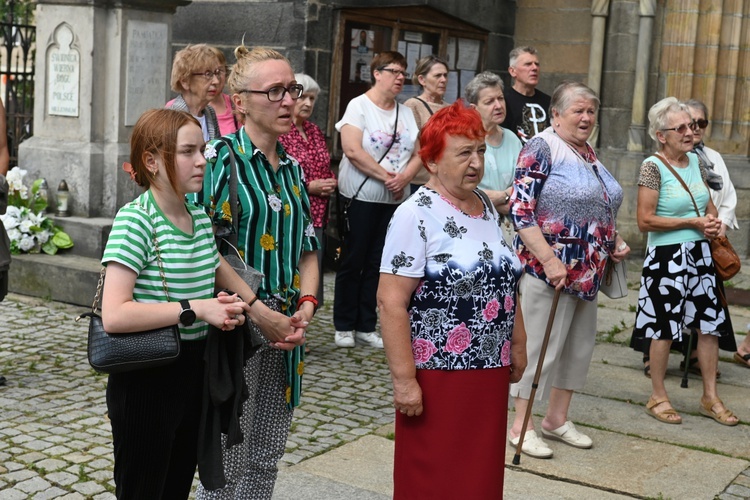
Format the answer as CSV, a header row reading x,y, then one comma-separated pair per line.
x,y
153,174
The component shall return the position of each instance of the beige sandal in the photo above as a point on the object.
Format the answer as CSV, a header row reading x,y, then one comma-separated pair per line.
x,y
662,416
722,416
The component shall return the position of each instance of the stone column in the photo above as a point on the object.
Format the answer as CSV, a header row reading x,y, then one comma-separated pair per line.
x,y
99,65
637,130
599,13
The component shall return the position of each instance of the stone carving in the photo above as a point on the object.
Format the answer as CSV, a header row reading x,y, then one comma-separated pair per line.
x,y
63,72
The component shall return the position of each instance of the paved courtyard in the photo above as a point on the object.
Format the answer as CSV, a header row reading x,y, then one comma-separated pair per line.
x,y
55,440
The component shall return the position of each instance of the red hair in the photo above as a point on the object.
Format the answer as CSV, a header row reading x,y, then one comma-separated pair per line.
x,y
455,120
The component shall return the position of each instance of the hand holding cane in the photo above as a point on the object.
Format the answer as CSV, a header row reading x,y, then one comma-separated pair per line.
x,y
537,375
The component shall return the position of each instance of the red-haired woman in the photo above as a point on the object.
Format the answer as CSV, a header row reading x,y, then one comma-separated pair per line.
x,y
453,336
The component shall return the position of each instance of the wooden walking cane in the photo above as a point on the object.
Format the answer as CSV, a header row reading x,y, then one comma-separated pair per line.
x,y
537,375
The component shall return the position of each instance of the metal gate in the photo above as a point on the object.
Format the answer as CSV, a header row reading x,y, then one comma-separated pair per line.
x,y
17,51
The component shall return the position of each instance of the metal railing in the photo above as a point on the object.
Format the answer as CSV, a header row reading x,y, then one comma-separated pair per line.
x,y
17,52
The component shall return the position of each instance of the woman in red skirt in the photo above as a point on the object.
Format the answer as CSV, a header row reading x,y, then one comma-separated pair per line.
x,y
453,336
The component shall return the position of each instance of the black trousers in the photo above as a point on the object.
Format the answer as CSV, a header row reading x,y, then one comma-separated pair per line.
x,y
354,306
155,416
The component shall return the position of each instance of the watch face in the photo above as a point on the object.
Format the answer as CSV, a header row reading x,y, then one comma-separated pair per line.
x,y
187,317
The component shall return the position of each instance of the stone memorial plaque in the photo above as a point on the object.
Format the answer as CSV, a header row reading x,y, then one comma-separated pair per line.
x,y
63,73
146,68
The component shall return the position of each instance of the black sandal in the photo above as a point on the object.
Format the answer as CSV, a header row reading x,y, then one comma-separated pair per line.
x,y
646,367
694,369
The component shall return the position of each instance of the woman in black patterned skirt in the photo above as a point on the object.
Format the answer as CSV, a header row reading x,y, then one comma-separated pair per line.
x,y
678,282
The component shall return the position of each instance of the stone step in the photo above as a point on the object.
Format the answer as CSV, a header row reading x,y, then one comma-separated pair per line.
x,y
89,234
64,277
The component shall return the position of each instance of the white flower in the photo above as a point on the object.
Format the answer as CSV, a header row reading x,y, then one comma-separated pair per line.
x,y
37,219
15,178
9,221
43,236
310,230
25,226
274,202
210,152
26,243
14,234
13,212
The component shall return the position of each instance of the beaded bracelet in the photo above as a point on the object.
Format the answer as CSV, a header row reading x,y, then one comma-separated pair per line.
x,y
308,298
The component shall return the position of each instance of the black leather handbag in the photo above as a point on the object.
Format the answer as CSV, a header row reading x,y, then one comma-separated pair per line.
x,y
123,352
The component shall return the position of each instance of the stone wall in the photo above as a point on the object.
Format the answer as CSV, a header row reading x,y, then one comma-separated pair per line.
x,y
304,30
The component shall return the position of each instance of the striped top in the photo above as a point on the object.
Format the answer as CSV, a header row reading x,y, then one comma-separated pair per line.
x,y
189,260
275,225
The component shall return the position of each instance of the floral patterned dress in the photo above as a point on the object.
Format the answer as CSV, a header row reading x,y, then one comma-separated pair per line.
x,y
463,309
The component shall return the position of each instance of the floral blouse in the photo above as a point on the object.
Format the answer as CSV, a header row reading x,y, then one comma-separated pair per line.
x,y
574,201
312,155
463,310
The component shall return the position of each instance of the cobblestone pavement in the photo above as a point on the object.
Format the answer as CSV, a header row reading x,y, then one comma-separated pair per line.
x,y
55,440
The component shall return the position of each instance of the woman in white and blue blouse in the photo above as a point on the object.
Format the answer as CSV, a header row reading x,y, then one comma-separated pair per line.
x,y
451,329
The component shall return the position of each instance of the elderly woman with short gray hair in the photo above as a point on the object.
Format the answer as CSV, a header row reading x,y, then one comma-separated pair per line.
x,y
678,268
485,93
563,205
197,77
307,144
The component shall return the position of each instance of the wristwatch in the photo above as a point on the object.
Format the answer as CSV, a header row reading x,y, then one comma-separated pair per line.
x,y
187,315
507,197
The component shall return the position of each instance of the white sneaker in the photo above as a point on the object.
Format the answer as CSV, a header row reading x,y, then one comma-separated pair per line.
x,y
370,338
568,434
533,445
344,339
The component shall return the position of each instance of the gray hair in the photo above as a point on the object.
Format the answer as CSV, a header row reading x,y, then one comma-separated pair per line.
x,y
526,49
480,82
307,82
659,113
567,92
695,103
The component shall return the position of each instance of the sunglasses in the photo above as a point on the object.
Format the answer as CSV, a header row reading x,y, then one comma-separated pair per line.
x,y
682,129
699,124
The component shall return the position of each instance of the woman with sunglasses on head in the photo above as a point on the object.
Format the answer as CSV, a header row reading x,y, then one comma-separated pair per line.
x,y
678,268
275,236
379,139
197,77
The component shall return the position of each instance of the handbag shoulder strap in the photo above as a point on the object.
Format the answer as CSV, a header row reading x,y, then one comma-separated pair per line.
x,y
393,141
429,109
679,178
96,305
233,198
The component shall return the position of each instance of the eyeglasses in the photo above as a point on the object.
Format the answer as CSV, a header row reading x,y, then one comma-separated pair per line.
x,y
208,74
681,129
395,72
277,93
699,124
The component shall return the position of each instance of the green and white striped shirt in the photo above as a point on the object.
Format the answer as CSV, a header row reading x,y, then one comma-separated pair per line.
x,y
189,260
275,227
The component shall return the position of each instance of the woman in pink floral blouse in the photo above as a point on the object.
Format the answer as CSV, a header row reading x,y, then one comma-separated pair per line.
x,y
307,144
452,333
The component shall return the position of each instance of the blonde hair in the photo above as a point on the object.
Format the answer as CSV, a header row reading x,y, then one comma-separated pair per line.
x,y
192,59
243,70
